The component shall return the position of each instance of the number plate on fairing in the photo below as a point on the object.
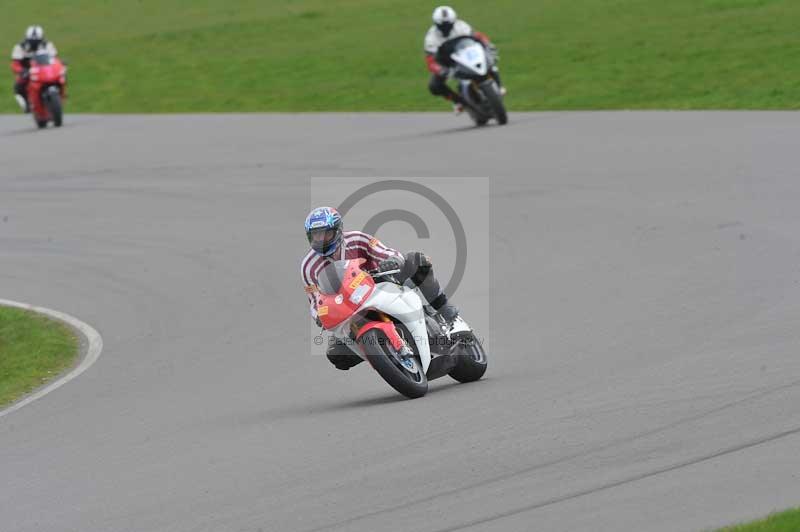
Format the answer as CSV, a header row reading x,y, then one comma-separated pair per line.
x,y
358,294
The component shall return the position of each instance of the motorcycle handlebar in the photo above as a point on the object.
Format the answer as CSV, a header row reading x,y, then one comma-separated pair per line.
x,y
376,273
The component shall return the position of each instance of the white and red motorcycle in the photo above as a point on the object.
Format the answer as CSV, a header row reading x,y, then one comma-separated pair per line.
x,y
388,325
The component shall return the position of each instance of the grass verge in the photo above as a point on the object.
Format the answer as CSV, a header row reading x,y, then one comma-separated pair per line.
x,y
788,521
356,55
33,350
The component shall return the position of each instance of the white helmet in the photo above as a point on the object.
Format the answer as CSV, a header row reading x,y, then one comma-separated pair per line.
x,y
34,36
445,18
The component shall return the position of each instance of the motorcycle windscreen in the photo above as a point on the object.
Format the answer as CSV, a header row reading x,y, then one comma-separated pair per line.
x,y
342,286
43,58
330,278
452,46
470,57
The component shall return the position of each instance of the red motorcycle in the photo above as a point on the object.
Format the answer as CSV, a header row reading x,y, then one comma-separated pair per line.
x,y
47,89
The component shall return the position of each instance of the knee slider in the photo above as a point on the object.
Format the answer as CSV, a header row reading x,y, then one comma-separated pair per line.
x,y
437,86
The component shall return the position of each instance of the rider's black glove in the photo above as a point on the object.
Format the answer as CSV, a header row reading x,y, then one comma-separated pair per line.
x,y
317,321
387,265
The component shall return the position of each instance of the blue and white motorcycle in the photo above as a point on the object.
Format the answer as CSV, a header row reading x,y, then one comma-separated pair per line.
x,y
472,64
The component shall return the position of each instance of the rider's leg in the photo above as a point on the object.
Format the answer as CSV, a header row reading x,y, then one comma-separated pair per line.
x,y
419,269
340,355
21,94
438,87
496,75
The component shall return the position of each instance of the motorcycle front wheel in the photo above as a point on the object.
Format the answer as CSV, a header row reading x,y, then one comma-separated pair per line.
x,y
55,107
469,91
404,374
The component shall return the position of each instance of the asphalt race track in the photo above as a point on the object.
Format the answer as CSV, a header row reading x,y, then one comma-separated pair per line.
x,y
645,370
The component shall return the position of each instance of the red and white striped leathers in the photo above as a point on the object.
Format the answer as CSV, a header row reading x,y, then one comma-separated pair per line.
x,y
355,245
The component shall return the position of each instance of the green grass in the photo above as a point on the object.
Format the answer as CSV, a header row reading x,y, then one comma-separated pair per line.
x,y
788,521
33,350
366,55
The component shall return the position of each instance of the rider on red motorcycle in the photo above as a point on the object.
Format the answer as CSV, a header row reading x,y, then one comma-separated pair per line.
x,y
20,61
447,26
330,243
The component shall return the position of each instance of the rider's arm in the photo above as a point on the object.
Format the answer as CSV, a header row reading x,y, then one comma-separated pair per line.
x,y
460,29
310,287
378,252
481,37
51,49
433,66
312,301
372,249
17,55
431,42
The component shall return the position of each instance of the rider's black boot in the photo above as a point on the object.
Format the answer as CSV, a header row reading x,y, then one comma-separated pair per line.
x,y
449,312
446,310
341,356
496,75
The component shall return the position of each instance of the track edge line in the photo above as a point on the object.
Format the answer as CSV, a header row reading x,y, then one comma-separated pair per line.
x,y
95,347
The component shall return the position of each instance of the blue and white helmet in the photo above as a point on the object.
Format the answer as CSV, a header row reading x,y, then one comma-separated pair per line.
x,y
324,230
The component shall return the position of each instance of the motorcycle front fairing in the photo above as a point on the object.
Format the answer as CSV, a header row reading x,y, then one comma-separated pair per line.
x,y
471,59
405,305
401,303
345,291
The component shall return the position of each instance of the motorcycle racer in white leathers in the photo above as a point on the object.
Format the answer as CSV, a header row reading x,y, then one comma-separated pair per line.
x,y
21,55
447,26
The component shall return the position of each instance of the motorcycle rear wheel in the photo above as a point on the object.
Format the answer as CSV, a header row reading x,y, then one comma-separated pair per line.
x,y
407,378
472,361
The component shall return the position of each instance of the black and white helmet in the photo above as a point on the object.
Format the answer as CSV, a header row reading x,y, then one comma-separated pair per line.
x,y
445,18
34,37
